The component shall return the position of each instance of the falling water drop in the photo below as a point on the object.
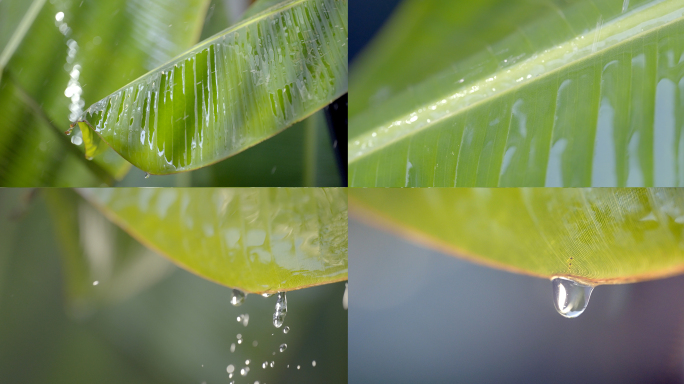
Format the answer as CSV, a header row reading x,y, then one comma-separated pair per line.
x,y
283,347
272,364
238,297
232,347
313,363
244,371
247,362
345,297
570,297
286,329
244,319
264,365
230,368
299,366
280,310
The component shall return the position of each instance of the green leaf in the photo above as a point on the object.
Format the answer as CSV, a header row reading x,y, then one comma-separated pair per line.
x,y
586,95
599,236
257,240
103,45
231,91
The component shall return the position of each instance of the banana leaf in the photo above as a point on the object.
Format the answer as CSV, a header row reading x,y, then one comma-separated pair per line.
x,y
231,91
586,94
256,240
596,236
77,52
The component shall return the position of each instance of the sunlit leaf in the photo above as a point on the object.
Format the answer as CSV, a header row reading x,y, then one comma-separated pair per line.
x,y
258,240
588,94
232,91
604,235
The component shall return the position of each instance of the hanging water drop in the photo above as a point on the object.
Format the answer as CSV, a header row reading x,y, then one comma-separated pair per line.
x,y
286,329
283,347
570,297
266,294
280,310
147,175
345,297
238,297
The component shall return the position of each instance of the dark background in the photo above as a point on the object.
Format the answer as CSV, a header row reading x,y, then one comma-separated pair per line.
x,y
365,19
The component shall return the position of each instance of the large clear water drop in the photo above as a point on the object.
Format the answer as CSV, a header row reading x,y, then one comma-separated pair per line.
x,y
280,310
570,297
238,297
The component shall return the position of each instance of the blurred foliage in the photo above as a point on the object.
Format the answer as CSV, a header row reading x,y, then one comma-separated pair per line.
x,y
177,330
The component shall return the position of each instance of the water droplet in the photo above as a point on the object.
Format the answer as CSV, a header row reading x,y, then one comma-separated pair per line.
x,y
283,347
76,140
244,371
570,297
313,363
232,347
59,16
244,319
147,175
286,329
266,294
264,365
272,364
247,362
238,297
280,310
299,366
345,297
255,343
96,282
230,368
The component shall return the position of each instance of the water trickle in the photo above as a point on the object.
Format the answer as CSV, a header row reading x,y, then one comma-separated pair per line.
x,y
283,347
570,297
345,297
238,297
280,310
286,329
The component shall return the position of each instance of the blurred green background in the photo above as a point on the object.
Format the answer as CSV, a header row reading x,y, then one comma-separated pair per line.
x,y
146,321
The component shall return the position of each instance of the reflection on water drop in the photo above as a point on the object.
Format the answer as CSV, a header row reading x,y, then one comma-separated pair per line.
x,y
244,319
238,297
244,371
286,329
230,368
283,347
570,297
280,310
266,294
345,297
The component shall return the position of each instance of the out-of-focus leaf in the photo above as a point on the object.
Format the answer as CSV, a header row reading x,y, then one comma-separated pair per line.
x,y
600,236
262,165
95,252
232,91
77,52
15,19
257,240
586,95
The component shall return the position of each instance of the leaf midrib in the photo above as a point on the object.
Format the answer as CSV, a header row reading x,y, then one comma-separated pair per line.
x,y
363,140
